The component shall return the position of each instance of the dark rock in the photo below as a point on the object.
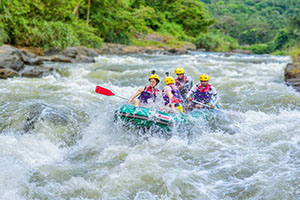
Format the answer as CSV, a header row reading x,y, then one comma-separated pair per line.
x,y
291,71
228,54
14,62
43,112
52,51
62,58
292,75
83,51
294,82
10,57
65,122
78,52
177,51
86,59
241,51
30,58
190,47
73,55
70,52
7,73
36,72
57,58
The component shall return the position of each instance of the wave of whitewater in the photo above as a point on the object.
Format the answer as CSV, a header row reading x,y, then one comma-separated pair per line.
x,y
58,139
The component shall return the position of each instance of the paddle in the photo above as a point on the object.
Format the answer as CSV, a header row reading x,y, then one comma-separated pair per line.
x,y
205,105
107,92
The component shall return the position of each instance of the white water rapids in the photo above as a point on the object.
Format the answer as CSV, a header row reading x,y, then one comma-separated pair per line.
x,y
58,139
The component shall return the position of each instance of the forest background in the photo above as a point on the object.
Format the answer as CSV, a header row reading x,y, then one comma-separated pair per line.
x,y
263,26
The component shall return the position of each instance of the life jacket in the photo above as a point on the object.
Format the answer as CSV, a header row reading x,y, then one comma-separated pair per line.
x,y
203,95
148,94
183,80
175,92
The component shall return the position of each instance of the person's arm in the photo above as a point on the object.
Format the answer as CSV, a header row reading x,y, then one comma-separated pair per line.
x,y
136,94
190,83
169,95
191,92
215,96
184,86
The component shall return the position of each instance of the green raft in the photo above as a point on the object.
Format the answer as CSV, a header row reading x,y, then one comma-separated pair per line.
x,y
147,117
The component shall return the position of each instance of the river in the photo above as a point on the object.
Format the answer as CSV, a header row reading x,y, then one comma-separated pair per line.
x,y
58,139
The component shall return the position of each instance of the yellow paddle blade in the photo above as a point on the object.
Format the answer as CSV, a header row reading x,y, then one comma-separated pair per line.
x,y
180,108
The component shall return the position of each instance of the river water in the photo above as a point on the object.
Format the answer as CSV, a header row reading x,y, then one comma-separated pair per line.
x,y
58,139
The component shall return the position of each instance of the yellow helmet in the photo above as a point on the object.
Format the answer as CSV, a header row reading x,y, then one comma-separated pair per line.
x,y
169,79
153,75
204,77
179,70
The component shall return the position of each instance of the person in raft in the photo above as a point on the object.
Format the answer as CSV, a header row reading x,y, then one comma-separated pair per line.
x,y
203,93
147,93
171,94
183,82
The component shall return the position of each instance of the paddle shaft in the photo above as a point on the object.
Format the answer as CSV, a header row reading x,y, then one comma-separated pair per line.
x,y
205,105
121,97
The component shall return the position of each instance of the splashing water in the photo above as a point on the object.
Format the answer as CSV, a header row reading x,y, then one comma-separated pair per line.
x,y
59,140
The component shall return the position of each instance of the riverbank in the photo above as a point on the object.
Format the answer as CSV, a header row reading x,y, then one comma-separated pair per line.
x,y
29,62
292,73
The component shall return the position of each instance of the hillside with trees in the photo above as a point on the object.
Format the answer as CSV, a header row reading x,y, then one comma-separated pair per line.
x,y
267,26
62,23
216,25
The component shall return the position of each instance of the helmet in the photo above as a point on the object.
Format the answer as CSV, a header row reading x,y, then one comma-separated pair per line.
x,y
153,75
204,77
179,70
169,79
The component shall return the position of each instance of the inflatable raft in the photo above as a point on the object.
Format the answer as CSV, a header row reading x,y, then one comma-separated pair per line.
x,y
147,117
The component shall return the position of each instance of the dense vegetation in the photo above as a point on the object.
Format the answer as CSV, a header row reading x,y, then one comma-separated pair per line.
x,y
262,26
268,25
61,23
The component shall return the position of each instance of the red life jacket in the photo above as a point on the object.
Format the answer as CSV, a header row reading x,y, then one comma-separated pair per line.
x,y
183,80
206,89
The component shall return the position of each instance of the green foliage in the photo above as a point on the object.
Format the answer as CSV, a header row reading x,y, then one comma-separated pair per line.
x,y
173,29
46,34
87,35
261,48
64,23
45,24
3,37
294,53
280,39
117,21
207,42
258,22
193,18
248,37
3,34
114,22
168,40
216,42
